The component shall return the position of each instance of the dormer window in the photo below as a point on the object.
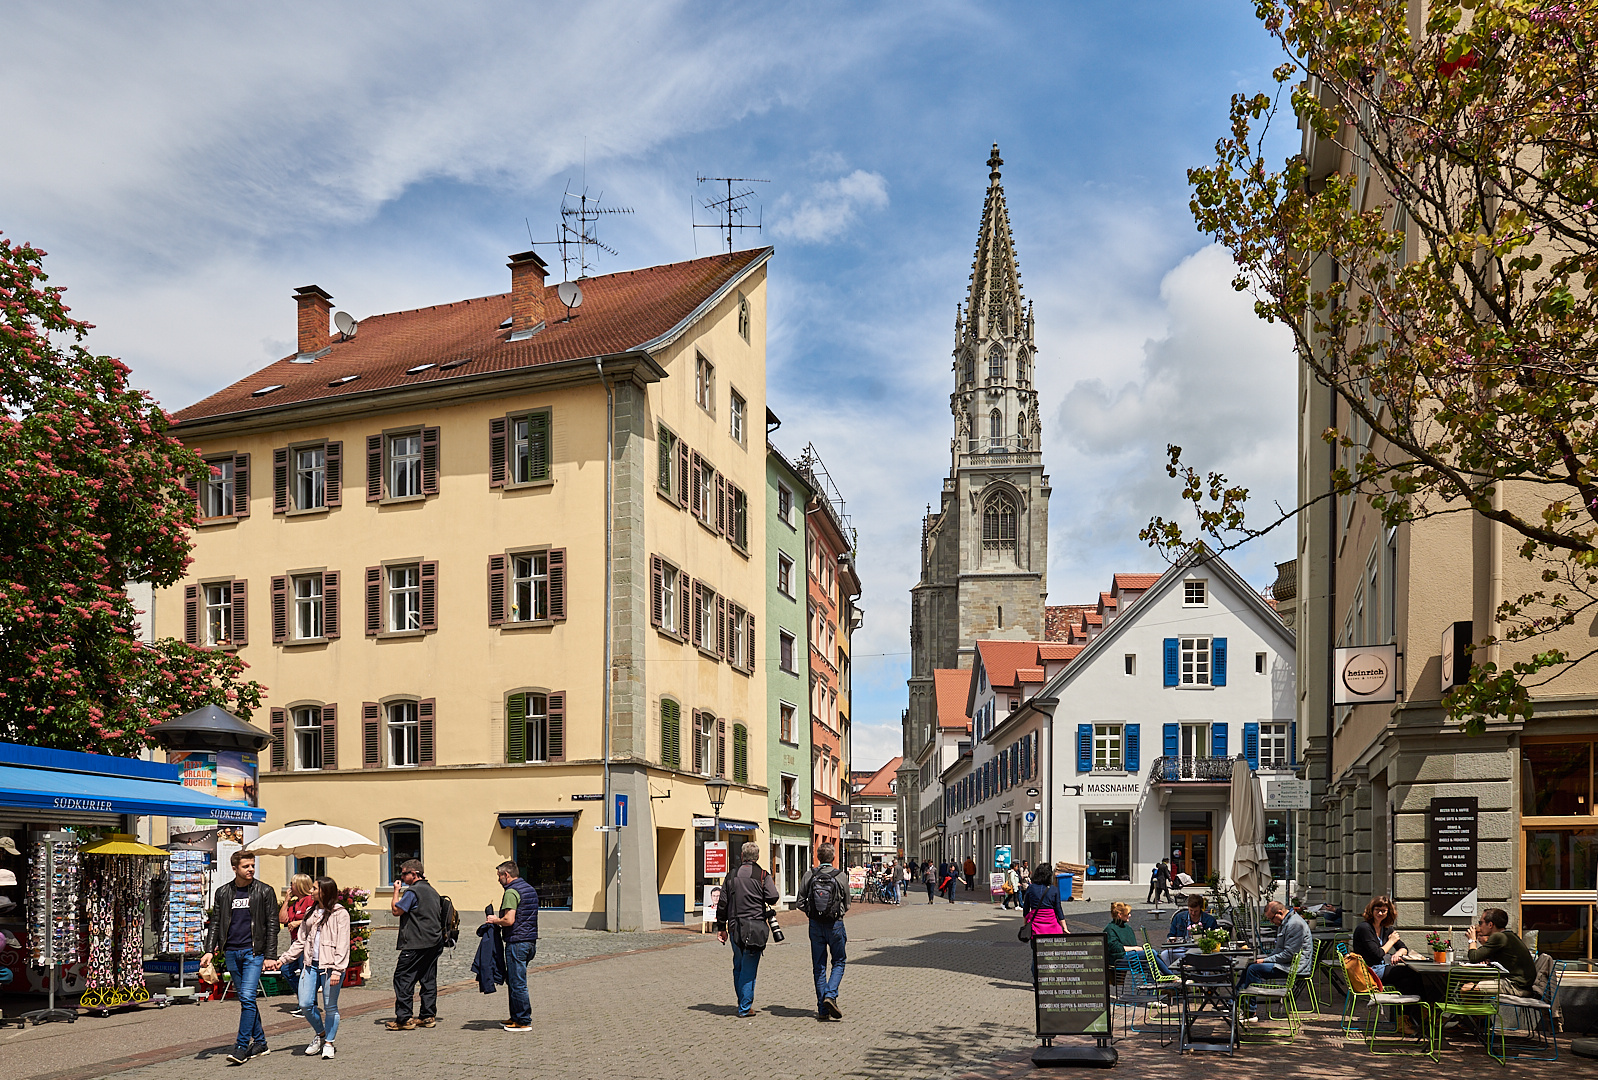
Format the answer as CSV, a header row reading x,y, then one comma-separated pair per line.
x,y
1195,593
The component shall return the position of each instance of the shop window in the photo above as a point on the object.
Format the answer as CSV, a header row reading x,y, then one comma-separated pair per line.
x,y
544,857
402,840
1556,779
1561,860
1109,845
1564,931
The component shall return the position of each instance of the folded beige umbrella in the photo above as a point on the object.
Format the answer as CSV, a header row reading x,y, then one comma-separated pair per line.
x,y
313,842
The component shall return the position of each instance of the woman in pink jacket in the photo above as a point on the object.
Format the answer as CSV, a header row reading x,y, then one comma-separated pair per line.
x,y
323,939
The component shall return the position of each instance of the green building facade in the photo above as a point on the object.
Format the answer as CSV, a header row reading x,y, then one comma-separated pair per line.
x,y
787,670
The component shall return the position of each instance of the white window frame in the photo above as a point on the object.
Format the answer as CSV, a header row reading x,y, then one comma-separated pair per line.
x,y
1109,748
219,488
310,477
403,721
1194,661
404,599
218,613
705,384
537,731
785,575
1261,663
405,467
785,505
1274,733
307,722
529,592
1196,593
705,736
788,645
670,580
1131,663
788,723
309,607
737,410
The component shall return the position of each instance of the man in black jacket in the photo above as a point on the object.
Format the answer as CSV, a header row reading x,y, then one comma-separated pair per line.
x,y
741,918
243,929
421,939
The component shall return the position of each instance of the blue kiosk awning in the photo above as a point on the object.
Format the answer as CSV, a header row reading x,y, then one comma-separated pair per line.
x,y
68,781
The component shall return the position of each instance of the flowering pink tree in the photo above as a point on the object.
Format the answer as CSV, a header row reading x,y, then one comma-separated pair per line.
x,y
91,498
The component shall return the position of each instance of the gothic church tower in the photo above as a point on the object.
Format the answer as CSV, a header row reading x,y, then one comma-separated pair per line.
x,y
984,550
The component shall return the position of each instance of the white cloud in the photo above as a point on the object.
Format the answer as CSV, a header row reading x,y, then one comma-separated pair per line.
x,y
831,209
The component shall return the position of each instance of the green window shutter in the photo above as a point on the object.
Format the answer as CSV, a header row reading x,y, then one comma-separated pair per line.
x,y
538,446
516,729
740,754
667,458
670,733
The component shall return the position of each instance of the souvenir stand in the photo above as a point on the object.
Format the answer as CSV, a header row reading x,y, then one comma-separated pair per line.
x,y
115,891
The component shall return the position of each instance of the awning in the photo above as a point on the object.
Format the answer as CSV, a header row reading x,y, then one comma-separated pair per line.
x,y
70,782
538,821
727,824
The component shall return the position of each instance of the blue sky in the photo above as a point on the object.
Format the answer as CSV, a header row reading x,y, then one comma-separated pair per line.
x,y
187,166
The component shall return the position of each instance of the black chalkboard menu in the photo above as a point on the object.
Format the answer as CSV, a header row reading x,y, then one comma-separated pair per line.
x,y
1452,844
1072,985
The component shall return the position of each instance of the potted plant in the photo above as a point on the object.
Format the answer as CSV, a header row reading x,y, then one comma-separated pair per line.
x,y
1439,942
360,933
1211,940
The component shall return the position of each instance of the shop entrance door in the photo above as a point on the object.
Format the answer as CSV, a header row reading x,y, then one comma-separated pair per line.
x,y
545,859
1190,853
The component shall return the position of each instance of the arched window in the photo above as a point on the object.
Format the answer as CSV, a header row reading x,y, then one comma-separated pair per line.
x,y
970,360
995,430
996,363
1020,431
998,524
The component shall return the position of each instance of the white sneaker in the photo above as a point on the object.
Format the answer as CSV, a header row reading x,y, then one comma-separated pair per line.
x,y
327,1051
315,1047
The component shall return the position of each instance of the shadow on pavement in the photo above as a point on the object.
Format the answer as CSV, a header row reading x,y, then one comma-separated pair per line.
x,y
715,1009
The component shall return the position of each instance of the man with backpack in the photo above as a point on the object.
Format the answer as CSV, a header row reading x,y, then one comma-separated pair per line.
x,y
518,917
824,899
741,919
421,938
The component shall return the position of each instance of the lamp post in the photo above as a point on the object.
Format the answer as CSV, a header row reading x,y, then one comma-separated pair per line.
x,y
717,792
941,826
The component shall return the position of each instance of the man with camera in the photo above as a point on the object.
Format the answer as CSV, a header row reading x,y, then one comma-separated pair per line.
x,y
824,897
742,918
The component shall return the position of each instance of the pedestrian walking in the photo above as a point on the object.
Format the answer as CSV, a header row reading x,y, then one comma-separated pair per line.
x,y
970,869
741,919
929,878
1156,881
420,940
243,930
1012,888
518,917
321,949
301,900
1040,908
946,874
825,900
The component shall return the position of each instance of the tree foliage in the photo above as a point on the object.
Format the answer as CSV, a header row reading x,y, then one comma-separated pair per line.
x,y
1432,251
91,498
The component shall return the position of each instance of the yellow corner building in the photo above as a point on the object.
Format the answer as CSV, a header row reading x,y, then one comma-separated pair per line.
x,y
414,529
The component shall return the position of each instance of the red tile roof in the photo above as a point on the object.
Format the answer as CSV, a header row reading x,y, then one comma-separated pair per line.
x,y
1136,581
1057,621
620,312
1029,674
1092,618
1106,600
951,686
877,786
1000,659
1058,651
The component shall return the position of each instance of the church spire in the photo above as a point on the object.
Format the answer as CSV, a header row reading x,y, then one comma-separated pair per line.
x,y
995,308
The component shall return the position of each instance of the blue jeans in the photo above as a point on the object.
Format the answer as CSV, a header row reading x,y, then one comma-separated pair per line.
x,y
517,954
824,936
324,1021
745,965
245,966
1259,973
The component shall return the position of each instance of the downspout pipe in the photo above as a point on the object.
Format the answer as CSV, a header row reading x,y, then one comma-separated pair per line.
x,y
612,881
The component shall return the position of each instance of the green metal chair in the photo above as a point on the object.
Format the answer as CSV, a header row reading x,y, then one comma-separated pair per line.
x,y
1283,990
1472,992
1377,1000
1161,978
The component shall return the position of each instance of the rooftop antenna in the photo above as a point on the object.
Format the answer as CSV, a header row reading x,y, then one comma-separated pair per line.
x,y
576,232
730,210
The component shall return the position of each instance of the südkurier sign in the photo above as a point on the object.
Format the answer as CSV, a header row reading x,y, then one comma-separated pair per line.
x,y
72,782
1365,674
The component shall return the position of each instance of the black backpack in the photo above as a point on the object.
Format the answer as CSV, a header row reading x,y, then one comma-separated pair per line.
x,y
823,896
450,920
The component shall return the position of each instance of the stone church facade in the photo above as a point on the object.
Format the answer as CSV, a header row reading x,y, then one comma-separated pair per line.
x,y
984,550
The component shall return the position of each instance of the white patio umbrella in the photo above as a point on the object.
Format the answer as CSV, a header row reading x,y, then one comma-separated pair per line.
x,y
314,842
1251,865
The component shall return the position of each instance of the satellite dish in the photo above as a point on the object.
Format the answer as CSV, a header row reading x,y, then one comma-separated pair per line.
x,y
345,322
570,293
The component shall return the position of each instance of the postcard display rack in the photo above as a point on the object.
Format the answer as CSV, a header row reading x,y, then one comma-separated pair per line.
x,y
184,933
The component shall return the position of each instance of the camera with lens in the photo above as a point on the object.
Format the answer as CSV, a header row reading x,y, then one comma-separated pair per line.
x,y
771,920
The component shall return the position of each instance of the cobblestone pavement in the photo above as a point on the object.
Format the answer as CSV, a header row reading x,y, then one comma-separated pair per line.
x,y
930,991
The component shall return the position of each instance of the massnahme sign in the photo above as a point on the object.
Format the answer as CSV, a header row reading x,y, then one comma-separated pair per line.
x,y
1365,674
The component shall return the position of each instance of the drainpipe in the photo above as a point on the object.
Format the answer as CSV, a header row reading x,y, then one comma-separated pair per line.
x,y
612,887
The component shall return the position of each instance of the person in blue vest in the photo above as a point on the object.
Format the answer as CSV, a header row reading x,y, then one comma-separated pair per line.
x,y
518,916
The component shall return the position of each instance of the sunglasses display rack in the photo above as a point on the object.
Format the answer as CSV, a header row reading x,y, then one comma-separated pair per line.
x,y
52,913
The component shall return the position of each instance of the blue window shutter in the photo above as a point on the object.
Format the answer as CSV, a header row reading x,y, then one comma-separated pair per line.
x,y
1218,661
1130,755
1292,744
1084,748
1172,664
1172,740
1218,740
1251,745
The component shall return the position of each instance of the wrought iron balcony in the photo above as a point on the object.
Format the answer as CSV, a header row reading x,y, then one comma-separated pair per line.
x,y
1179,770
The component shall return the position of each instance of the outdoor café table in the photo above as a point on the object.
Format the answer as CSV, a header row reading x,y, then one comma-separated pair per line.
x,y
1209,985
1172,953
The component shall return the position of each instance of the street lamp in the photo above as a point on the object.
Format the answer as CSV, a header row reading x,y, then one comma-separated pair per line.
x,y
940,826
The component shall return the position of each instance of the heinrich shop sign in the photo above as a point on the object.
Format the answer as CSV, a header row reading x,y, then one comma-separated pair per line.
x,y
1365,674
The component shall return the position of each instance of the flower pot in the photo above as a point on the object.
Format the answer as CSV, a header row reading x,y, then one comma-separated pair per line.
x,y
1208,947
1439,956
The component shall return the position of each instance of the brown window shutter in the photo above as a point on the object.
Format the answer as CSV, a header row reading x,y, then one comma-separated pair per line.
x,y
429,461
329,737
496,452
279,758
684,608
721,504
241,485
374,468
335,473
557,727
429,595
330,604
496,590
371,736
749,640
698,634
684,468
241,611
699,490
699,764
280,480
424,731
656,585
191,614
557,583
721,626
374,600
191,484
280,609
721,748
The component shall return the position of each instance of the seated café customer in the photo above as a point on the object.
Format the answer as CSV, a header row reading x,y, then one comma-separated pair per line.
x,y
1293,945
1194,919
1383,951
1120,938
1497,944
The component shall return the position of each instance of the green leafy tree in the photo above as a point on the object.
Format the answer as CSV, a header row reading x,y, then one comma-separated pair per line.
x,y
91,498
1431,249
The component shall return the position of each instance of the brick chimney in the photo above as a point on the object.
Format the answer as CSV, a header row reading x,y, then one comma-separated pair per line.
x,y
526,294
316,310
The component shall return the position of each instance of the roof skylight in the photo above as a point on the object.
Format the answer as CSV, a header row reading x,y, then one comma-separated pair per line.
x,y
263,391
343,379
419,368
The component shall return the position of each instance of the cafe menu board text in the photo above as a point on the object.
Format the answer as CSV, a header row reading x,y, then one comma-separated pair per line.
x,y
1073,984
1451,836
